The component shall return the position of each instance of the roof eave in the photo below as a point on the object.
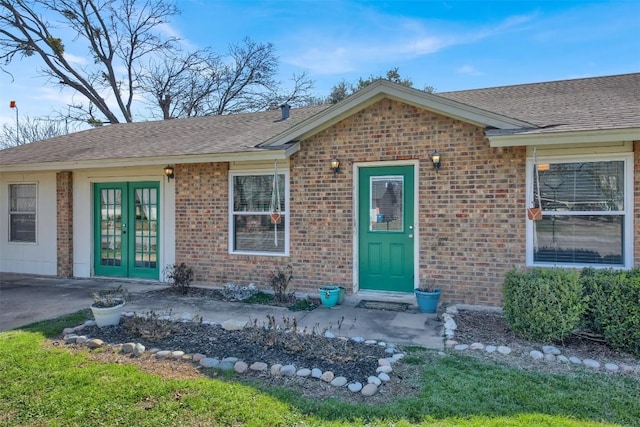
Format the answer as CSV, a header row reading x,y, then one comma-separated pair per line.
x,y
382,89
244,156
567,137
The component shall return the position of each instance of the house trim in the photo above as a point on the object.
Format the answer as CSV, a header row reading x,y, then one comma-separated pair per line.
x,y
567,137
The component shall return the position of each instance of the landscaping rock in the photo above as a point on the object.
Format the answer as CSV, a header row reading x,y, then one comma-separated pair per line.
x,y
576,360
369,390
536,355
304,372
590,363
339,382
476,346
209,362
611,367
259,366
355,387
374,380
95,343
234,325
550,349
503,349
275,369
288,371
384,377
316,373
327,377
490,348
240,367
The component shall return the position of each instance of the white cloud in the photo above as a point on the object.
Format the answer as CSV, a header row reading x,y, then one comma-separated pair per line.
x,y
468,70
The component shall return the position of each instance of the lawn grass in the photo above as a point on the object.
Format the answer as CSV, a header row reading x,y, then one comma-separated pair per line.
x,y
43,386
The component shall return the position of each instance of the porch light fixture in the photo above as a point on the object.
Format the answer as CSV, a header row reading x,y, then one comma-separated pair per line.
x,y
335,165
169,172
435,158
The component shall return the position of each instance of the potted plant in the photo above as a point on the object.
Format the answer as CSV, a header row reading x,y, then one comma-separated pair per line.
x,y
107,306
329,295
427,299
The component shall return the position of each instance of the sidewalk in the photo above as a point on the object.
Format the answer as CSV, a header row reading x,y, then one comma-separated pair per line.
x,y
25,299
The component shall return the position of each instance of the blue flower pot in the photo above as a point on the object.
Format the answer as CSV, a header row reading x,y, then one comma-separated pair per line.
x,y
428,301
329,295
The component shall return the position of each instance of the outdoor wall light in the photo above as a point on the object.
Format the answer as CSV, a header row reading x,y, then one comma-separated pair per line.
x,y
435,158
335,165
169,172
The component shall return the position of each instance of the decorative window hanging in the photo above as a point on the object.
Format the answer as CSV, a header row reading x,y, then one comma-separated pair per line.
x,y
276,218
535,213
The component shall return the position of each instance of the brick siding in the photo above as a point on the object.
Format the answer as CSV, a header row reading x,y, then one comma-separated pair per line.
x,y
471,212
64,223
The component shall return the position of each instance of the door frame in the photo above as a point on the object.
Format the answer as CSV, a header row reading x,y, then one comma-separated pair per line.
x,y
356,216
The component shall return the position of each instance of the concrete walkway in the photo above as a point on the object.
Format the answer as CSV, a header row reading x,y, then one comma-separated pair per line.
x,y
25,299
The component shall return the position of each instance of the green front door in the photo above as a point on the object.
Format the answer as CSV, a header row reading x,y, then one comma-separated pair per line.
x,y
126,229
386,230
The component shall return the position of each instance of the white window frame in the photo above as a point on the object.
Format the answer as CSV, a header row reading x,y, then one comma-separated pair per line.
x,y
627,256
11,213
285,213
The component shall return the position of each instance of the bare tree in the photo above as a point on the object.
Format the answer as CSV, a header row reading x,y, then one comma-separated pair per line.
x,y
132,58
29,130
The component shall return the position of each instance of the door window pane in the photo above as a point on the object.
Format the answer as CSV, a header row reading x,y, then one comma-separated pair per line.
x,y
22,212
386,204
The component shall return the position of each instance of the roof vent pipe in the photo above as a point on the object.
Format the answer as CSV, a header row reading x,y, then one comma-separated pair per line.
x,y
285,111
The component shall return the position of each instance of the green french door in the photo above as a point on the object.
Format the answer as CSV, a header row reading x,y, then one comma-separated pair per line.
x,y
386,228
126,229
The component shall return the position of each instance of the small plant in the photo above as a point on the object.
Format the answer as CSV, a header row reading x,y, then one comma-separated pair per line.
x,y
180,276
280,280
109,297
151,326
234,292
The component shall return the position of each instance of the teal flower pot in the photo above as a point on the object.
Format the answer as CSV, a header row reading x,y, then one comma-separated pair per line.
x,y
428,301
341,295
329,295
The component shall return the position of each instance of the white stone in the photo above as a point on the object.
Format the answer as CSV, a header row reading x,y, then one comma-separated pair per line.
x,y
154,350
384,369
384,377
562,359
550,349
391,350
177,354
374,380
371,342
186,316
240,367
327,377
329,334
209,362
68,331
288,370
452,310
316,373
369,390
490,348
304,372
382,343
536,355
590,363
198,357
355,387
138,349
275,369
503,349
339,382
229,360
548,357
450,325
384,362
226,366
461,347
576,360
398,356
128,347
449,334
234,325
627,369
90,323
477,346
357,339
163,354
70,339
258,366
95,343
611,367
81,339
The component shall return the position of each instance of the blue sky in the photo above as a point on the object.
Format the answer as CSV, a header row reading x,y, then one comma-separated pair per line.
x,y
451,45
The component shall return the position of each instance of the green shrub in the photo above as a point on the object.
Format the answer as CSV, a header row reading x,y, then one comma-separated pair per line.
x,y
543,304
614,306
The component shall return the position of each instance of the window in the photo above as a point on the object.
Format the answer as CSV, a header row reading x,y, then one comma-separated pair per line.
x,y
22,212
253,230
586,213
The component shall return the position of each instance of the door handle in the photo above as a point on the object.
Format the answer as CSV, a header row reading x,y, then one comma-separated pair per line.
x,y
411,236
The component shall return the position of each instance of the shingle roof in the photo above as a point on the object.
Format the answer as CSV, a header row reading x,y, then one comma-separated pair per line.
x,y
611,102
597,103
179,137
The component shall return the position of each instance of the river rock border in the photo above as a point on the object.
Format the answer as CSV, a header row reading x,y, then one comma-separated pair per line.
x,y
544,353
229,363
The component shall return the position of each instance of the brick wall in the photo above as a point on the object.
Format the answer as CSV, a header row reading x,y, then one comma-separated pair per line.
x,y
64,223
471,212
